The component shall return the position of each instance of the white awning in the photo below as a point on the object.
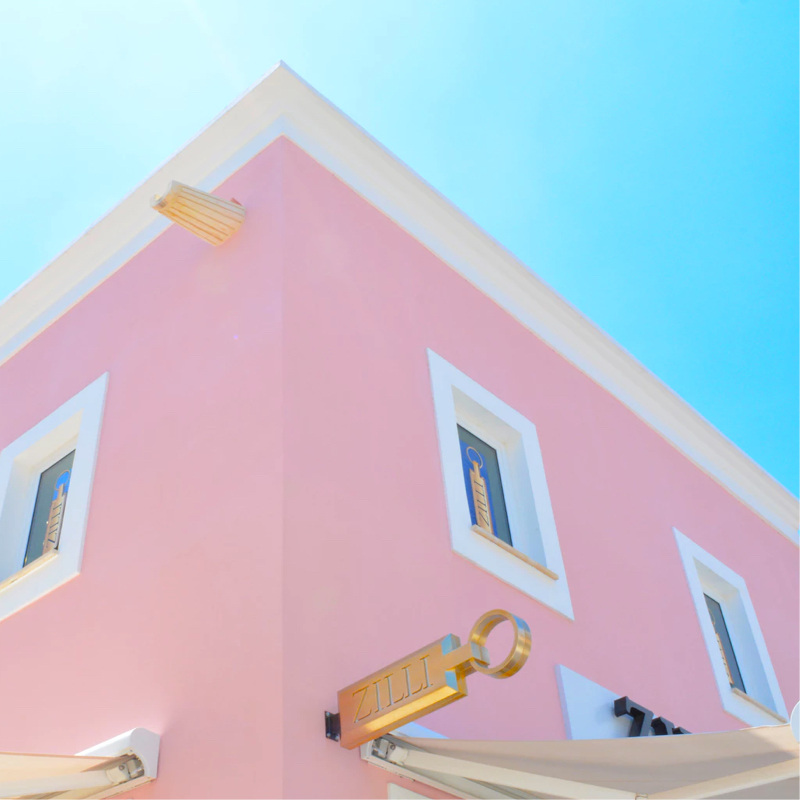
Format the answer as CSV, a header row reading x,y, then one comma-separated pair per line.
x,y
116,766
749,763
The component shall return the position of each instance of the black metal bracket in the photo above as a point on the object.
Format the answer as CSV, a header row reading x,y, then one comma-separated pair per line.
x,y
333,726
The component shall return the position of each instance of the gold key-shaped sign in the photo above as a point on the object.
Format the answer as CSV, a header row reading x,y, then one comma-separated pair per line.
x,y
430,678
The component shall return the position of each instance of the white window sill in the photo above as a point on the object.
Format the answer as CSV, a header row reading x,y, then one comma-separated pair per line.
x,y
512,551
772,716
510,567
26,571
34,581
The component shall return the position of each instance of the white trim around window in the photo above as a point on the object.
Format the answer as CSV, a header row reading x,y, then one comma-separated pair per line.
x,y
73,426
534,565
763,702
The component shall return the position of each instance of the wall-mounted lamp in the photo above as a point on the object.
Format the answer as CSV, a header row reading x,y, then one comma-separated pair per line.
x,y
201,213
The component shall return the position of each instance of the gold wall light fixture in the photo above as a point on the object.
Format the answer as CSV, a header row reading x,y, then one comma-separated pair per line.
x,y
212,219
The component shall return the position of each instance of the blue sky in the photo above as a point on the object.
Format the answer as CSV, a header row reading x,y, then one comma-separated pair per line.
x,y
641,157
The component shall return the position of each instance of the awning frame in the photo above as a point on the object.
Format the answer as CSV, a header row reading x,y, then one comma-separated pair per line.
x,y
376,753
139,742
122,764
751,779
116,776
470,779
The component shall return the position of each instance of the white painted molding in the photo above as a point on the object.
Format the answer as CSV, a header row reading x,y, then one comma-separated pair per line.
x,y
283,104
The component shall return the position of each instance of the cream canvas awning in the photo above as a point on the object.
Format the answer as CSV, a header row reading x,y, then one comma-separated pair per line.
x,y
116,766
750,763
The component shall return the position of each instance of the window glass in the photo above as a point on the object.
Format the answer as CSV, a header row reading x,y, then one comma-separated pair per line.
x,y
48,512
487,505
724,642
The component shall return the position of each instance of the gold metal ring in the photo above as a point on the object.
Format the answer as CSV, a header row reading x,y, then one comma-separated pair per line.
x,y
515,660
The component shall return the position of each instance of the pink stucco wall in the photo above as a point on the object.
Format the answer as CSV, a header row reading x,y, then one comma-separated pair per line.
x,y
268,519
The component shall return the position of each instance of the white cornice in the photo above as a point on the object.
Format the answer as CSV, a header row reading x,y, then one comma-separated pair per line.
x,y
283,104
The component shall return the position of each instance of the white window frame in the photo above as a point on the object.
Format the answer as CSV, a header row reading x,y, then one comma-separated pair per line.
x,y
459,400
763,704
73,426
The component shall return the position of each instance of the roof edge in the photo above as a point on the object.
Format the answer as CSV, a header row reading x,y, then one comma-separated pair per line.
x,y
283,104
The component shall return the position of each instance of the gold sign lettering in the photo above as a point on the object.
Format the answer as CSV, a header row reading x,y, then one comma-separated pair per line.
x,y
430,678
363,692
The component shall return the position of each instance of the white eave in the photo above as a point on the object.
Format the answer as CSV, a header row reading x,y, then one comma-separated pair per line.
x,y
282,104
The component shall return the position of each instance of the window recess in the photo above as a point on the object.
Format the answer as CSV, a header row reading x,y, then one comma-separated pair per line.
x,y
46,478
498,503
740,661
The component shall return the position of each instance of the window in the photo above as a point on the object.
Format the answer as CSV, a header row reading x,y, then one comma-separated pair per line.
x,y
724,642
738,653
487,506
48,511
45,485
497,499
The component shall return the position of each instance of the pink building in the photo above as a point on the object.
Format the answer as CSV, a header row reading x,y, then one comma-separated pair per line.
x,y
236,479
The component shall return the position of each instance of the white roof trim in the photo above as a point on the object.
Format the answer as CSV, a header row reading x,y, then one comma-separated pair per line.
x,y
283,104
